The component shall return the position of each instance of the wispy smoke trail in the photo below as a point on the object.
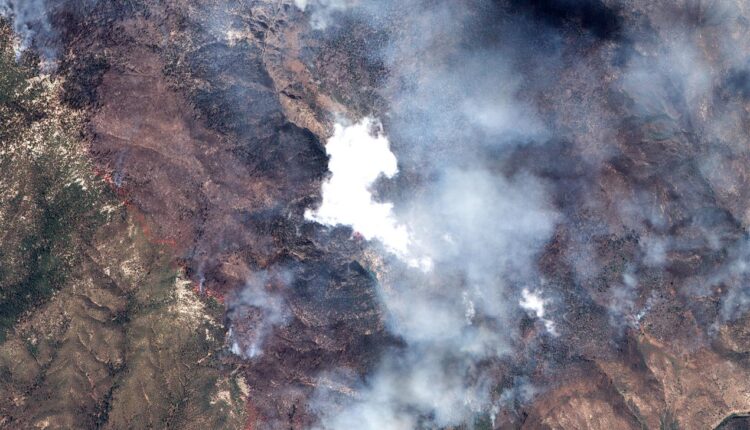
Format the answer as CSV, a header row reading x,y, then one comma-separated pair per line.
x,y
255,310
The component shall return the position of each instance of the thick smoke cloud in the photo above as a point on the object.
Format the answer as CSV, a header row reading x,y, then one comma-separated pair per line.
x,y
479,226
359,155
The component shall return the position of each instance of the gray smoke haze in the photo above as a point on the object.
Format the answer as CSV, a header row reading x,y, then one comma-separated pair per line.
x,y
664,140
685,93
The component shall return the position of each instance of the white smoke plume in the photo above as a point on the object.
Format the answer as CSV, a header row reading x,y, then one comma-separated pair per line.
x,y
534,304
